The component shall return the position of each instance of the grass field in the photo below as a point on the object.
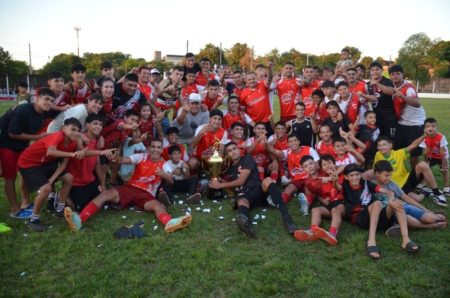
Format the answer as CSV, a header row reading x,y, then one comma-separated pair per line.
x,y
211,258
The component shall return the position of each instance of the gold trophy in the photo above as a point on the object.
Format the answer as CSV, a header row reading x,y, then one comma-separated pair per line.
x,y
215,166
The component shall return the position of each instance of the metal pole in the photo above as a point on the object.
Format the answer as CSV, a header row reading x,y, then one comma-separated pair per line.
x,y
251,60
77,28
434,85
29,55
187,46
307,59
220,55
7,85
28,82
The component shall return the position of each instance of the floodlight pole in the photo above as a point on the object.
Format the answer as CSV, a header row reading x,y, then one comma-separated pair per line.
x,y
78,29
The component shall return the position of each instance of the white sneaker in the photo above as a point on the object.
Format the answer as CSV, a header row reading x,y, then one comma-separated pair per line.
x,y
285,180
440,199
270,202
446,190
304,206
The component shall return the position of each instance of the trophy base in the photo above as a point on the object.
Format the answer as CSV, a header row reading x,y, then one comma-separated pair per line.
x,y
215,194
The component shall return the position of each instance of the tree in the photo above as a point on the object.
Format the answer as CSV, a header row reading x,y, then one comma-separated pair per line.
x,y
355,53
366,61
412,56
237,52
439,56
13,68
92,61
211,52
5,60
62,63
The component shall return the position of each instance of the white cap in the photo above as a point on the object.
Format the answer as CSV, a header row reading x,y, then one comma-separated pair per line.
x,y
195,97
155,71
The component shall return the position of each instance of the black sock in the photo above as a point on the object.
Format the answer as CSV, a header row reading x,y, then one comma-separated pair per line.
x,y
243,210
436,191
275,194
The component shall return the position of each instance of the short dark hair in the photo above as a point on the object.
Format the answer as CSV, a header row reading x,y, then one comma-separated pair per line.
x,y
293,135
131,77
353,167
236,124
345,50
189,55
342,83
145,104
324,126
102,80
339,139
172,130
54,75
333,103
129,113
213,83
260,66
95,117
157,141
190,71
315,67
360,66
216,112
106,65
78,67
383,166
178,67
326,157
260,123
430,120
97,97
301,104
229,144
72,121
351,69
22,84
369,112
45,91
305,158
319,93
384,138
376,64
237,71
289,63
205,59
396,68
280,123
173,149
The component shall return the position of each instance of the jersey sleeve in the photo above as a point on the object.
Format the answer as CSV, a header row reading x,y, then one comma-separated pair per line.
x,y
54,140
444,142
248,142
247,118
224,139
199,128
137,158
314,154
167,167
410,92
424,145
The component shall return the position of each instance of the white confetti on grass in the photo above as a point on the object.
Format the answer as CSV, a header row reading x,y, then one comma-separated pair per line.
x,y
221,217
155,228
255,223
23,273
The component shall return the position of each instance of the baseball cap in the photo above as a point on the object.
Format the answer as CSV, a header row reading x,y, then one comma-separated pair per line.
x,y
353,167
154,71
195,97
328,83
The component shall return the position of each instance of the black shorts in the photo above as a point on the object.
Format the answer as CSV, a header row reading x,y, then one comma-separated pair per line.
x,y
35,177
434,161
256,197
412,181
333,204
388,127
82,195
406,135
104,160
363,220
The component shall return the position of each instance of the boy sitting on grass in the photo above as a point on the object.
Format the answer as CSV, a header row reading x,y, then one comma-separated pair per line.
x,y
408,180
366,211
139,191
416,215
324,185
40,167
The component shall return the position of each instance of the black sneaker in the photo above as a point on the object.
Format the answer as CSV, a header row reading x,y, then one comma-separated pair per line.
x,y
51,204
194,199
290,226
245,225
57,213
36,225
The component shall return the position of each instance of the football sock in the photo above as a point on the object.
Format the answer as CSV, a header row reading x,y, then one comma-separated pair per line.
x,y
164,218
88,211
286,198
243,210
274,176
314,227
60,207
333,231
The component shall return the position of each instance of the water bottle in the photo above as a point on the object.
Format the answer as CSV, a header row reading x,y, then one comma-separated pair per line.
x,y
304,207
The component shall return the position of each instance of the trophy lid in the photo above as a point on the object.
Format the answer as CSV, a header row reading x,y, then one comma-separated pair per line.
x,y
215,158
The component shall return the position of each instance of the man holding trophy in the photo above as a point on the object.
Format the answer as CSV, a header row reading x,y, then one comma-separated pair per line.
x,y
250,190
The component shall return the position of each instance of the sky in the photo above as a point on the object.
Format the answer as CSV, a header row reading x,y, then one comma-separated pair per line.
x,y
139,27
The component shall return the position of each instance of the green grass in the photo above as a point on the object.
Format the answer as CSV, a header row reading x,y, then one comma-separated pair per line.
x,y
211,258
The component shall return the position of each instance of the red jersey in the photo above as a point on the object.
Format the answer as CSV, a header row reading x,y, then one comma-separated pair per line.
x,y
144,175
205,146
82,170
188,90
114,136
434,145
35,155
79,94
296,171
146,90
146,126
280,144
325,149
350,107
201,80
62,99
209,102
359,86
256,101
259,153
238,92
345,160
324,190
288,95
306,92
165,153
228,119
399,103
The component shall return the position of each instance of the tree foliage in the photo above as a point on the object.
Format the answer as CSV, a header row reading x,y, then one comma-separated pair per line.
x,y
211,52
413,56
